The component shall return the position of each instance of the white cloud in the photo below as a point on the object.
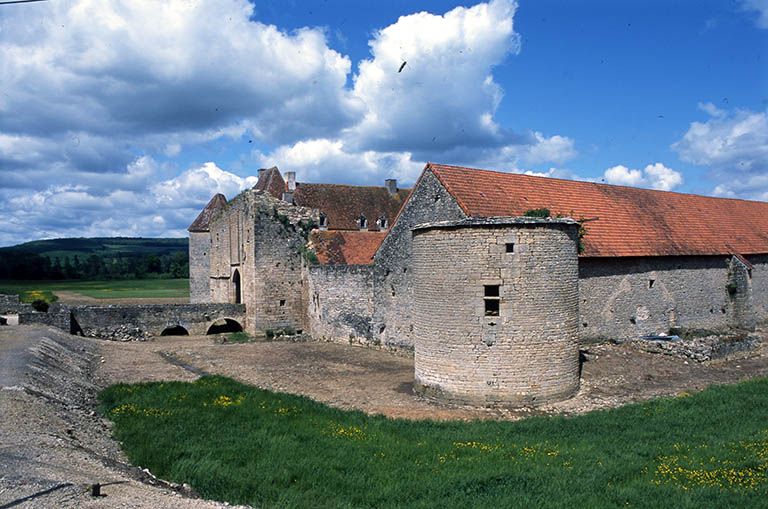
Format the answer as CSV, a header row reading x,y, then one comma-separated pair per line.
x,y
445,95
654,176
761,7
197,185
734,147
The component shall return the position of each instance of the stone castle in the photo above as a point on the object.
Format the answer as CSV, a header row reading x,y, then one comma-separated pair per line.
x,y
493,303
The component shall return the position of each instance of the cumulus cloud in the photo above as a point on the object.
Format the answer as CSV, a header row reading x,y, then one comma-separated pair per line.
x,y
654,176
759,6
733,146
99,99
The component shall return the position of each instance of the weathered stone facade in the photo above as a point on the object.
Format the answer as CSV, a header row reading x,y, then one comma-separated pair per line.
x,y
496,311
340,303
393,276
629,297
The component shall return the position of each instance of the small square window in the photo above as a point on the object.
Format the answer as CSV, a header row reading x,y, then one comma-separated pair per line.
x,y
282,302
492,307
491,290
510,247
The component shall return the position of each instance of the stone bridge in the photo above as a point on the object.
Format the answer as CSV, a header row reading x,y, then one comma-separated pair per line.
x,y
143,321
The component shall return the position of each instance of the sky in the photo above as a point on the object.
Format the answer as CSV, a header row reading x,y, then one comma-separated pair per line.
x,y
124,117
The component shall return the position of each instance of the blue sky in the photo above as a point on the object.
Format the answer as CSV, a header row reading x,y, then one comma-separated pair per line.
x,y
123,118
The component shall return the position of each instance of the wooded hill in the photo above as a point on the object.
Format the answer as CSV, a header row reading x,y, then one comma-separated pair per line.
x,y
96,259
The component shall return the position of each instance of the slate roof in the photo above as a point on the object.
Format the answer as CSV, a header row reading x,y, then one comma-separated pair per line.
x,y
622,221
345,247
203,220
343,204
272,182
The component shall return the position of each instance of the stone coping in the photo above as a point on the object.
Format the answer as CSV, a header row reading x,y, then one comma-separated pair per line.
x,y
495,222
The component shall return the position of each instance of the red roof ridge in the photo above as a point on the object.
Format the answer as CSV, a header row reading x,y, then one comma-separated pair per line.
x,y
589,182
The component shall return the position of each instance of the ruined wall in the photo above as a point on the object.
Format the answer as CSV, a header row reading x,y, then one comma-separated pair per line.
x,y
623,298
393,281
340,303
524,354
10,304
261,238
199,267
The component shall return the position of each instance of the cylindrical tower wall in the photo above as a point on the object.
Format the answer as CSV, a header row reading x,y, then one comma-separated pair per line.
x,y
496,311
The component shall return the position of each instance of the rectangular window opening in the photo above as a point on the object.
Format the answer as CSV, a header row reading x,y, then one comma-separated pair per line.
x,y
491,299
651,282
510,247
282,302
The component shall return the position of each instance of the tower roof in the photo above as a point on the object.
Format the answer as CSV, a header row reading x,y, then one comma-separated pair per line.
x,y
202,223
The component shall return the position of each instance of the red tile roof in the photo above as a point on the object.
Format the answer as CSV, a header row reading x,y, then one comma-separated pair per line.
x,y
338,247
343,204
626,221
272,182
202,222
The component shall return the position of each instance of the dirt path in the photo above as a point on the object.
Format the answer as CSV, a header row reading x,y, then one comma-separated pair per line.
x,y
379,382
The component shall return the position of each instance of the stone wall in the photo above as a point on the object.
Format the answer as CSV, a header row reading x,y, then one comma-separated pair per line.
x,y
496,312
760,286
393,281
199,267
144,321
623,298
10,304
340,303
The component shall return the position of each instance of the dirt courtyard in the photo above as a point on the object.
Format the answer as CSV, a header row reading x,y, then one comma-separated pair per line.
x,y
380,382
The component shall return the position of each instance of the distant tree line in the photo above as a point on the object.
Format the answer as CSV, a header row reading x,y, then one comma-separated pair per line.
x,y
22,265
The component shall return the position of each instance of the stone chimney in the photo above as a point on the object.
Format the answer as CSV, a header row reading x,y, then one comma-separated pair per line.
x,y
391,185
290,180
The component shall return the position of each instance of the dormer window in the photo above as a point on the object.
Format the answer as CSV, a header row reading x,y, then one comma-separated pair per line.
x,y
382,223
323,221
362,222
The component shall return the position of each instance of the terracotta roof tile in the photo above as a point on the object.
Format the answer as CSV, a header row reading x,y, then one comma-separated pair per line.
x,y
339,247
202,222
272,182
343,204
625,221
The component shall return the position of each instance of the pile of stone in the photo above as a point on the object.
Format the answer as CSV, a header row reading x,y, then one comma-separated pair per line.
x,y
118,333
701,349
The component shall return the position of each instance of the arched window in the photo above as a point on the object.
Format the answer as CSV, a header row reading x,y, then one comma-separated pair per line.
x,y
323,220
236,284
382,223
362,222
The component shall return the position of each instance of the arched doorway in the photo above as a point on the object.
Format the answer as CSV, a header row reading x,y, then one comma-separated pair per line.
x,y
224,325
236,283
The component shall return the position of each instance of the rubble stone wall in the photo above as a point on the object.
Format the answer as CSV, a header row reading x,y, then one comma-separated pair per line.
x,y
340,303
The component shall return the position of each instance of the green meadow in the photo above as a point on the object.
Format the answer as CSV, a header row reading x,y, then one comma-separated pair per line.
x,y
240,444
113,289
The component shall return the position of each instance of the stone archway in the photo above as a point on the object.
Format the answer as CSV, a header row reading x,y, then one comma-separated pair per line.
x,y
224,325
175,330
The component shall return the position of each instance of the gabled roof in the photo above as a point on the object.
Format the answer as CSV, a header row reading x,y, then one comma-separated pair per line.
x,y
338,247
621,221
202,223
343,205
272,182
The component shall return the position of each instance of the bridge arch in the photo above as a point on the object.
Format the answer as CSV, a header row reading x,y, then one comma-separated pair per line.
x,y
175,330
224,325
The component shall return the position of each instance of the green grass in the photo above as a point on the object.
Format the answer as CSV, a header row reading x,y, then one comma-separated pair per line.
x,y
240,444
127,289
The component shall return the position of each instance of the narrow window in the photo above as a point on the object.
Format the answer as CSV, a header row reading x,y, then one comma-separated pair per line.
x,y
282,302
492,300
650,283
323,220
510,247
363,222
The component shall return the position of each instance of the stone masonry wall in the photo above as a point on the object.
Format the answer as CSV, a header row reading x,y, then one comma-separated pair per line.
x,y
199,267
340,302
760,286
526,355
10,304
393,281
623,298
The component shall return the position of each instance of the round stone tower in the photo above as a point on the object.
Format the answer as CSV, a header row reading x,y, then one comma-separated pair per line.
x,y
496,310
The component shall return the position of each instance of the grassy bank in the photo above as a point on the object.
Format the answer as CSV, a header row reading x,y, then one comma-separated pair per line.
x,y
244,445
115,289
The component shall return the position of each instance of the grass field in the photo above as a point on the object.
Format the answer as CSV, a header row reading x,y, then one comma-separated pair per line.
x,y
239,444
124,289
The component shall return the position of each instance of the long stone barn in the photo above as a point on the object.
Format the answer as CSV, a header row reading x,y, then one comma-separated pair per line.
x,y
337,261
